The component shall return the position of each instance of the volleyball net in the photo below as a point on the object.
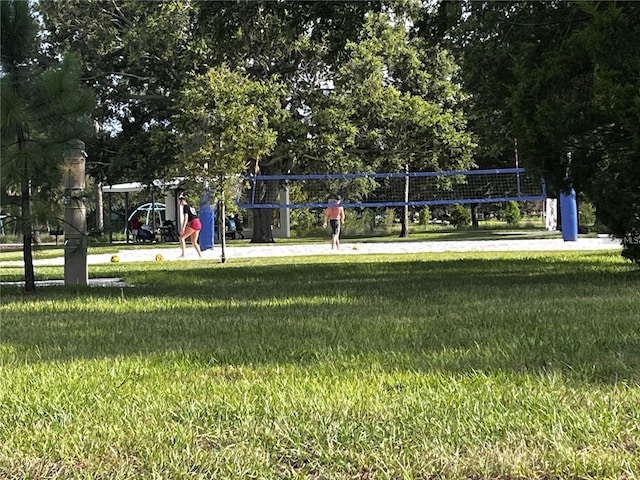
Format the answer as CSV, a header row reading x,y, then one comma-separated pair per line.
x,y
413,189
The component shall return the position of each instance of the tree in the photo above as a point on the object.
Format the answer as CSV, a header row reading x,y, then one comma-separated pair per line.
x,y
301,46
229,126
138,57
135,58
43,107
405,110
561,77
585,94
318,51
469,31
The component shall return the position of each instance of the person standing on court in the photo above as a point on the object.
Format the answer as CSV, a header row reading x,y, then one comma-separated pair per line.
x,y
239,227
335,215
135,226
190,226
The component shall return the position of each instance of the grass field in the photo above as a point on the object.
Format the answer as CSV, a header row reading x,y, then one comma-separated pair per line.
x,y
430,366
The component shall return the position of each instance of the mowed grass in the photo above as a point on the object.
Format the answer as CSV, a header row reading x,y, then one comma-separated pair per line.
x,y
431,366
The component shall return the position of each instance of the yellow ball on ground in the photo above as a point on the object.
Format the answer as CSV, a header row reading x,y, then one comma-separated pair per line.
x,y
356,247
159,257
115,259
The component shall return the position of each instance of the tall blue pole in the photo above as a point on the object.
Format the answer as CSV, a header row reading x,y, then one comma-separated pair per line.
x,y
207,218
569,213
568,206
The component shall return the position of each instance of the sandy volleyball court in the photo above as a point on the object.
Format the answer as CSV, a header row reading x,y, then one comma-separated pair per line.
x,y
347,248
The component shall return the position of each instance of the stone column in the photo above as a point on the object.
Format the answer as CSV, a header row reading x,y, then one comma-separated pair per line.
x,y
284,231
75,215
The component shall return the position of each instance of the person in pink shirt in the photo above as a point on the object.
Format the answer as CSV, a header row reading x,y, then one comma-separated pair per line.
x,y
335,215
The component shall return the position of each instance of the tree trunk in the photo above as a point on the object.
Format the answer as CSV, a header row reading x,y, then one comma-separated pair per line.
x,y
404,230
474,216
404,222
262,225
27,233
265,192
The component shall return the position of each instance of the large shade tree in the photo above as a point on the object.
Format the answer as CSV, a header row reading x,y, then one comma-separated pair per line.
x,y
586,94
560,77
397,98
229,125
482,73
134,56
43,106
318,51
137,57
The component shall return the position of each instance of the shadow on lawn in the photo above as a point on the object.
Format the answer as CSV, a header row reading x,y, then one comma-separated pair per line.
x,y
531,314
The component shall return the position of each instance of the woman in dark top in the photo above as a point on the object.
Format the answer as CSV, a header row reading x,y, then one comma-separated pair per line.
x,y
190,226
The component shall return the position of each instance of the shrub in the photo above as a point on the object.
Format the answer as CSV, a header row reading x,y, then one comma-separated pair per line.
x,y
389,216
461,216
586,212
425,216
303,220
511,213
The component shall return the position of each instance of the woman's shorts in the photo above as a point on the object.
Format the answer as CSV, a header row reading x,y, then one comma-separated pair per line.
x,y
195,224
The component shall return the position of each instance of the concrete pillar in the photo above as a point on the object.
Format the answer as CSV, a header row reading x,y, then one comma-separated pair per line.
x,y
76,271
285,213
284,230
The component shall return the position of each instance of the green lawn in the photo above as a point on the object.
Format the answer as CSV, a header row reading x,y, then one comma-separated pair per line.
x,y
430,366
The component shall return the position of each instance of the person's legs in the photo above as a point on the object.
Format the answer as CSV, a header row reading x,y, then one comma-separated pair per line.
x,y
335,231
194,241
183,238
335,238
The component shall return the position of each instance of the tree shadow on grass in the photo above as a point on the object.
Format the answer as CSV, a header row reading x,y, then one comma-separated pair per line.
x,y
530,314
